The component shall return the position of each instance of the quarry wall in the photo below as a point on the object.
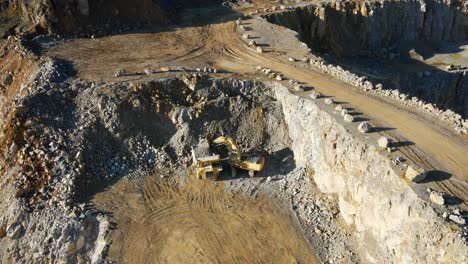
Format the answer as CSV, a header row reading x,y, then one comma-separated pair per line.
x,y
390,222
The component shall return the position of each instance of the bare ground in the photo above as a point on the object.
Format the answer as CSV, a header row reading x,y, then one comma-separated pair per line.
x,y
199,223
220,45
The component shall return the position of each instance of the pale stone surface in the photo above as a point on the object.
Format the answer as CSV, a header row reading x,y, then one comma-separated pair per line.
x,y
383,142
373,199
348,118
437,197
457,219
415,174
364,127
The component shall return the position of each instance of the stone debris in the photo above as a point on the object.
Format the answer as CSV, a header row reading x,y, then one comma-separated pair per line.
x,y
298,88
348,118
437,197
119,73
364,127
148,71
383,142
314,95
457,219
415,174
165,69
456,121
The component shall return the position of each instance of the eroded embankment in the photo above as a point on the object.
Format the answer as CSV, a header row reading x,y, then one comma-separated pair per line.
x,y
388,32
390,222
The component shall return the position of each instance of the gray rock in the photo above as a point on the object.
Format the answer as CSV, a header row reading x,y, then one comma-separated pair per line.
x,y
364,127
415,174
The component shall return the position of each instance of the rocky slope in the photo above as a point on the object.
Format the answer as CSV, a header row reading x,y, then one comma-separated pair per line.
x,y
78,16
383,31
390,222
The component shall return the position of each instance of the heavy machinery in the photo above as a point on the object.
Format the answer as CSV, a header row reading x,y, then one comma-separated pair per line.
x,y
207,167
235,158
208,159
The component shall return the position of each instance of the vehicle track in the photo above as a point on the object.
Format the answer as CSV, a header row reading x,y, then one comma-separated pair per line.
x,y
200,223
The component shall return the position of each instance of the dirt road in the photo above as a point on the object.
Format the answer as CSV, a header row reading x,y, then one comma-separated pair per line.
x,y
436,148
199,223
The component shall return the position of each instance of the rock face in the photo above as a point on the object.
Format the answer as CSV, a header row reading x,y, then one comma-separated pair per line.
x,y
374,200
368,28
351,27
69,16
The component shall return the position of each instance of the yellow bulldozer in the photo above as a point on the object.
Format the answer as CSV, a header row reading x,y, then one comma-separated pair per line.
x,y
226,150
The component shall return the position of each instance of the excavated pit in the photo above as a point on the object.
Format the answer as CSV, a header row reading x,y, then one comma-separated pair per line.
x,y
104,162
404,45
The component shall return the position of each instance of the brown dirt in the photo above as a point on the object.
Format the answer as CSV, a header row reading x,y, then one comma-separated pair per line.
x,y
199,223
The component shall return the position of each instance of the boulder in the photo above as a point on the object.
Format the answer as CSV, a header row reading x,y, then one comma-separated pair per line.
x,y
252,43
344,112
339,108
348,118
457,219
437,197
148,71
259,49
328,101
298,87
291,59
383,142
165,69
415,174
245,36
279,77
364,127
314,95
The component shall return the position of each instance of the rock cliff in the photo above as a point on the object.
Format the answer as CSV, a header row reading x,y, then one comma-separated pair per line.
x,y
351,28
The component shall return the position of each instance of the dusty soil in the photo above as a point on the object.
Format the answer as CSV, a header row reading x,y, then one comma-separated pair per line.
x,y
199,223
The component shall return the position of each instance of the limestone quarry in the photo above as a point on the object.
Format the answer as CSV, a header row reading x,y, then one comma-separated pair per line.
x,y
358,108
